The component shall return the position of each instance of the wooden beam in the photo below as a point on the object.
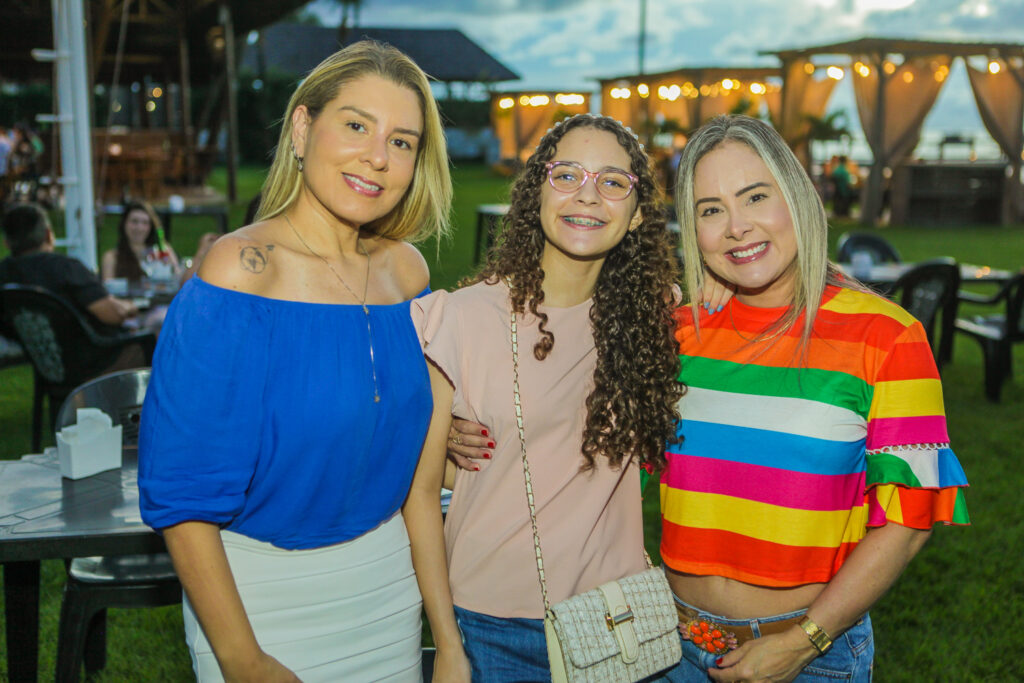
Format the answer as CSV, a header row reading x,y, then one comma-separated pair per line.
x,y
185,81
232,85
136,59
102,17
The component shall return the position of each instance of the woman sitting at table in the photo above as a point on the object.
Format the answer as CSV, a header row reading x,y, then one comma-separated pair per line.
x,y
289,398
142,251
815,457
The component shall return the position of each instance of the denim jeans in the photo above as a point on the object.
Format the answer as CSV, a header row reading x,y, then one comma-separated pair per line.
x,y
850,658
504,650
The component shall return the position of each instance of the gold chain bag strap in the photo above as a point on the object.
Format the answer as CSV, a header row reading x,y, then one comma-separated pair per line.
x,y
621,631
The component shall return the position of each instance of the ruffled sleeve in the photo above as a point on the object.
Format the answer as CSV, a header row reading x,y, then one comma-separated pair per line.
x,y
913,477
439,327
200,435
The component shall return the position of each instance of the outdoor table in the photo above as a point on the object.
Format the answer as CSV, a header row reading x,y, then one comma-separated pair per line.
x,y
144,293
884,275
44,516
487,219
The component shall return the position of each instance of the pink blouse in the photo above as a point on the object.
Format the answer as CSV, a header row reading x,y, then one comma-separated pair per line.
x,y
590,522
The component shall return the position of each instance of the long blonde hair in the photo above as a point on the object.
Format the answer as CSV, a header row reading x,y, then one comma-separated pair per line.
x,y
806,211
424,210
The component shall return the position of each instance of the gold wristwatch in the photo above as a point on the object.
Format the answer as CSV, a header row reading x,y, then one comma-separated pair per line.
x,y
819,639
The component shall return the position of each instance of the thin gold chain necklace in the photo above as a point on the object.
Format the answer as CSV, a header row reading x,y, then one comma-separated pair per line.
x,y
756,338
362,302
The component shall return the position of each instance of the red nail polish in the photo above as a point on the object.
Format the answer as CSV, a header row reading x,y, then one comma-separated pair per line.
x,y
484,432
490,444
718,662
476,468
487,455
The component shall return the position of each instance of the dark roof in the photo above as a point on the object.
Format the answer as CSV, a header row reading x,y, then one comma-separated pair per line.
x,y
904,46
445,54
151,39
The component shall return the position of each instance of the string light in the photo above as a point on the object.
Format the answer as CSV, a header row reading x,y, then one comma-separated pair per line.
x,y
506,103
569,98
835,73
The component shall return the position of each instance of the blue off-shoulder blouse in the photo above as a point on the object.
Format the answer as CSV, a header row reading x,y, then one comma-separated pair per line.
x,y
259,417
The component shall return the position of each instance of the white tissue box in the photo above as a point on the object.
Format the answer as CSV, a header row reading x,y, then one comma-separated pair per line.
x,y
90,446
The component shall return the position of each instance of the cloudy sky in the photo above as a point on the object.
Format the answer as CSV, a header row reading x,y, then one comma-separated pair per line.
x,y
566,44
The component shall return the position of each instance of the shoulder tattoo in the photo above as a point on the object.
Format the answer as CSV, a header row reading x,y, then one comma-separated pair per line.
x,y
254,259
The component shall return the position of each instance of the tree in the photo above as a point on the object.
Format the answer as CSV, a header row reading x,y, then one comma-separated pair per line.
x,y
833,127
349,16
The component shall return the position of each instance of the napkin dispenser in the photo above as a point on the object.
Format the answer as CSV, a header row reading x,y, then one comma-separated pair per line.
x,y
91,445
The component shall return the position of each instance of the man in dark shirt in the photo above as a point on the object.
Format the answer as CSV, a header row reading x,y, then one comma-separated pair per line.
x,y
28,236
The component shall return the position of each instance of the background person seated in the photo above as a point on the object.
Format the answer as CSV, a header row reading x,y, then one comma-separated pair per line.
x,y
28,236
142,251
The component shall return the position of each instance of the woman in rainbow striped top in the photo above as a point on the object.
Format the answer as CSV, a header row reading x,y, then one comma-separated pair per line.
x,y
814,458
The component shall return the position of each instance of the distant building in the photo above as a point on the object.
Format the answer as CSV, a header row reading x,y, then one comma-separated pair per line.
x,y
447,55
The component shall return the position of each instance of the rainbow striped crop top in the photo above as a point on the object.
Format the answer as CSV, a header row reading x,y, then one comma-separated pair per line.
x,y
785,464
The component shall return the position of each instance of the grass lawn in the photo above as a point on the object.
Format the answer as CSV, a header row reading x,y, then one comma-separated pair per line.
x,y
952,616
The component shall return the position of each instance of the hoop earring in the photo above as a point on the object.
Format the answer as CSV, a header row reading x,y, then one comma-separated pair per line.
x,y
298,159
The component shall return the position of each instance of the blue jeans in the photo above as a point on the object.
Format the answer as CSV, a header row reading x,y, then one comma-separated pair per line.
x,y
507,650
504,650
850,658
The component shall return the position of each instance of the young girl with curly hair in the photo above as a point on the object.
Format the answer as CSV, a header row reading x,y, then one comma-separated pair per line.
x,y
585,264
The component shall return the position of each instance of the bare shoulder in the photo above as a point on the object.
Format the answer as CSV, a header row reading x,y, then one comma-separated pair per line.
x,y
242,260
406,263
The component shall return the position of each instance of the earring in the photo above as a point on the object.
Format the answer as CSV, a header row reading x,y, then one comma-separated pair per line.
x,y
298,159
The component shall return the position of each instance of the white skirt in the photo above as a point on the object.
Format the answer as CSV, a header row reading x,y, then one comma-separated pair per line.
x,y
347,612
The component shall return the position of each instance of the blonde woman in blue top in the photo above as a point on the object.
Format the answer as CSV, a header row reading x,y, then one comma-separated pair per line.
x,y
289,397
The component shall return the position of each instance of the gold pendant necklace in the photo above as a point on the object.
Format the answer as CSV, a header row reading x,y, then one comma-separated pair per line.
x,y
362,302
757,338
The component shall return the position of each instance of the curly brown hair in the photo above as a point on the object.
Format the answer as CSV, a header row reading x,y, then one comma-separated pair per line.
x,y
631,411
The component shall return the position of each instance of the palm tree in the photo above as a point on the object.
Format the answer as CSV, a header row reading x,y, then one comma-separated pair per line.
x,y
833,127
349,17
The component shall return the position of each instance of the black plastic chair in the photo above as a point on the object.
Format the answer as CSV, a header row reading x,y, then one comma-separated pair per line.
x,y
62,345
928,291
997,333
95,584
880,250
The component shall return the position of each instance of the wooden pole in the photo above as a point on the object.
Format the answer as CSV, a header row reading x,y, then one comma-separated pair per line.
x,y
232,85
872,207
100,33
185,81
1010,212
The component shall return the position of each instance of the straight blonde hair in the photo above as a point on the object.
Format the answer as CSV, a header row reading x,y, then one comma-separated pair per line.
x,y
423,211
806,211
